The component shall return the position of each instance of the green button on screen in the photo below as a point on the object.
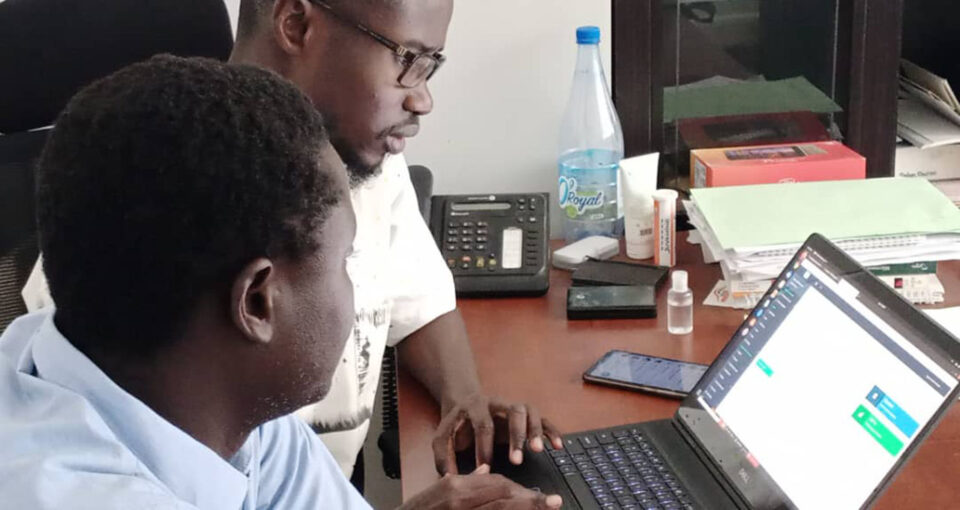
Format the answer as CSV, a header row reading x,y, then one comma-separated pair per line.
x,y
878,430
766,368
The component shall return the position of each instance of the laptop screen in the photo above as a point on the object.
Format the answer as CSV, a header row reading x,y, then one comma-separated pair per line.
x,y
824,389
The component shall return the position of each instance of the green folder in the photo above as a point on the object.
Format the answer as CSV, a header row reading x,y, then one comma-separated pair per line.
x,y
742,98
784,214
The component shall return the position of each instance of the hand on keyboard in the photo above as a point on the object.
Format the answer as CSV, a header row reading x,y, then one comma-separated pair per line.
x,y
482,420
480,489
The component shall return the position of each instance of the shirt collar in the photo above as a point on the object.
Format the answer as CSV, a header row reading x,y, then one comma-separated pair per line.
x,y
192,471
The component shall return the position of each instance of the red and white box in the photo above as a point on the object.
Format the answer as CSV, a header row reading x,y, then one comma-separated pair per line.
x,y
767,164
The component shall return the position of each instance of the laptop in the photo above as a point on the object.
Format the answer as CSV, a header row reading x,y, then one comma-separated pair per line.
x,y
817,400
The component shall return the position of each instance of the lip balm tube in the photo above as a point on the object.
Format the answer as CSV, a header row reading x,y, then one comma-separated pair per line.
x,y
665,227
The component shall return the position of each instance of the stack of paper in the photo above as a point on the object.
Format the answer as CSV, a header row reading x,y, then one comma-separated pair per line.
x,y
949,318
923,126
929,89
753,231
928,113
951,189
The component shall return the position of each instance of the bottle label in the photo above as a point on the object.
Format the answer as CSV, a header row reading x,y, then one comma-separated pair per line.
x,y
579,203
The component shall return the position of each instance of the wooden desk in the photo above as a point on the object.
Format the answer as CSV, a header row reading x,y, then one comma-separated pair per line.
x,y
527,351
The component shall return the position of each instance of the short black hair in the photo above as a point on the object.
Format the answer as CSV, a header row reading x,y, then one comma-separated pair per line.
x,y
160,182
253,12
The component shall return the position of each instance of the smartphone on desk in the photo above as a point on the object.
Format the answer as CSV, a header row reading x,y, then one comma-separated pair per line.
x,y
663,376
611,302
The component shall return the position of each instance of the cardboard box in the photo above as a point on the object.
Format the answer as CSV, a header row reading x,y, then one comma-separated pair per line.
x,y
766,164
934,164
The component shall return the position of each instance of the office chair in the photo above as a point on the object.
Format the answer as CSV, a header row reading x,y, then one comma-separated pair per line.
x,y
389,440
49,49
18,230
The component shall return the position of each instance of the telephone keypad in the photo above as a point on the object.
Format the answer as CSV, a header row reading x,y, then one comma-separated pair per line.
x,y
494,244
478,231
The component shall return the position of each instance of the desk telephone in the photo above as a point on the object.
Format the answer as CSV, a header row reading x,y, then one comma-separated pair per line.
x,y
495,245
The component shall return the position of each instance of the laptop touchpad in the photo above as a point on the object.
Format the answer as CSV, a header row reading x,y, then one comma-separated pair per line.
x,y
536,472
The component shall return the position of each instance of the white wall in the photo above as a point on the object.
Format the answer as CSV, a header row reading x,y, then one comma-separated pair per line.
x,y
500,95
233,10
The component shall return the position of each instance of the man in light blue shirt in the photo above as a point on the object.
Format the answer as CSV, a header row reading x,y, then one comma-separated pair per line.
x,y
74,439
195,225
145,388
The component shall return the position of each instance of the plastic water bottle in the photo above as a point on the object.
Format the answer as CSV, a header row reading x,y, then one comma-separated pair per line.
x,y
591,146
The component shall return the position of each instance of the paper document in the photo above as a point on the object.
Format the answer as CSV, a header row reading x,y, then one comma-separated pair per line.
x,y
712,252
919,289
949,318
768,215
930,99
786,214
929,81
923,126
929,89
722,297
739,289
713,81
950,188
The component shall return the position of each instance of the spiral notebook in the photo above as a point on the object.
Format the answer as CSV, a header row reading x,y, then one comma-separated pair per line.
x,y
865,214
859,244
753,230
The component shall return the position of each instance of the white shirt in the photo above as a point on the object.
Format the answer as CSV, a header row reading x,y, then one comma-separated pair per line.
x,y
74,439
400,282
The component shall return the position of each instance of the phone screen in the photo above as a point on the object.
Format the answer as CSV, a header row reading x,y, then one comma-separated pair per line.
x,y
677,377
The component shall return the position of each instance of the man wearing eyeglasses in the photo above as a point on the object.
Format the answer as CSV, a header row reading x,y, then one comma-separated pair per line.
x,y
365,64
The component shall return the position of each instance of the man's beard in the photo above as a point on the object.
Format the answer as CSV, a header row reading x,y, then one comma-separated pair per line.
x,y
358,170
359,174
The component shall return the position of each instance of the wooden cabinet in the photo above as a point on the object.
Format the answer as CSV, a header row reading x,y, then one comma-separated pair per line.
x,y
846,50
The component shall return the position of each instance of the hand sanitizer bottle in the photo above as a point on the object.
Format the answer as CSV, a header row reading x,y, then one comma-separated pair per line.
x,y
679,305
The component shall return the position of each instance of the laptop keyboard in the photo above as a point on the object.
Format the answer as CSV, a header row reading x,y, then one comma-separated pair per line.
x,y
623,470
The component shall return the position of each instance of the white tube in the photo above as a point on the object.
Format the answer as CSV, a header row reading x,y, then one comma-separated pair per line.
x,y
665,227
638,179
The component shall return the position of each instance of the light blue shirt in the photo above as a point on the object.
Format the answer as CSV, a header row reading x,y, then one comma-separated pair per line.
x,y
71,438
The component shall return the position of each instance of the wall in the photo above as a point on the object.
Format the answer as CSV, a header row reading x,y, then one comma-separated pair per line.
x,y
500,95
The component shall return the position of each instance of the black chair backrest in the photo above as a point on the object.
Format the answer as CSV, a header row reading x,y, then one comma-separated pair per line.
x,y
18,239
422,179
49,49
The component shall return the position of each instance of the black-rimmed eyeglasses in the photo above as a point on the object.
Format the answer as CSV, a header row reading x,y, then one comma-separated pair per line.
x,y
417,67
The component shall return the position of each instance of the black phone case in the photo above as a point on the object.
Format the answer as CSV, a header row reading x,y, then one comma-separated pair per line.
x,y
609,272
595,379
606,302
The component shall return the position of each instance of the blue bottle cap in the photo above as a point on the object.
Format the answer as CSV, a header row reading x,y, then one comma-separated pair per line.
x,y
588,35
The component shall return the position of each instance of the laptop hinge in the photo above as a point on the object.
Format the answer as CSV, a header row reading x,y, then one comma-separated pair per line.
x,y
708,463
